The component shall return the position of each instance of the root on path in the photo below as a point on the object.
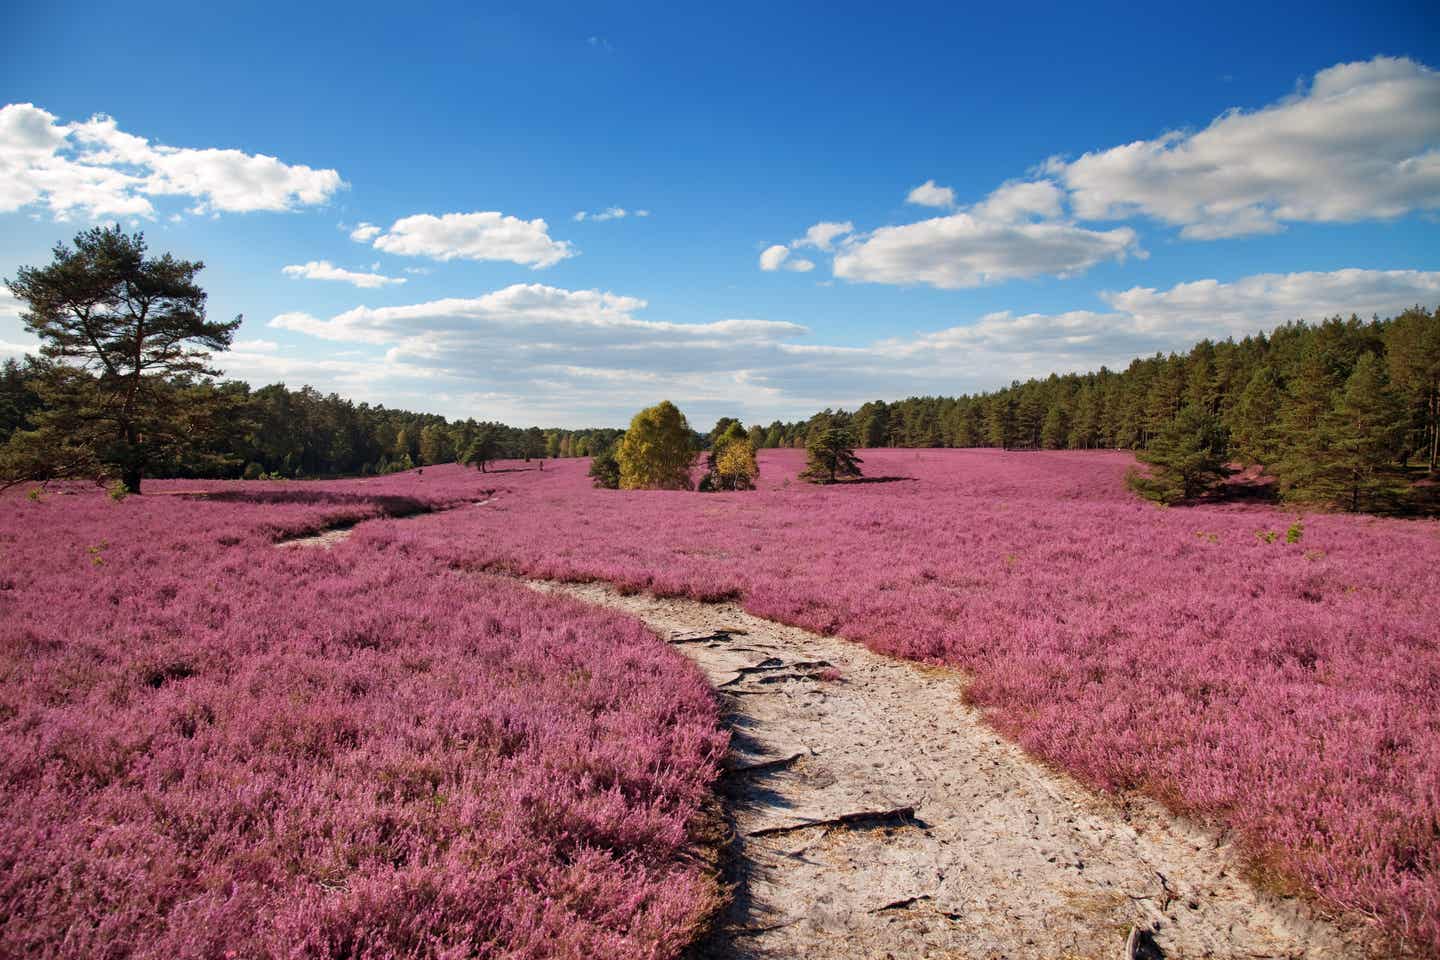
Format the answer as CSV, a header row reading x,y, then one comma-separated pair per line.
x,y
874,814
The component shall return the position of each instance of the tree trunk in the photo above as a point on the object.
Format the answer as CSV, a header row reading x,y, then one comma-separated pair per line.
x,y
131,477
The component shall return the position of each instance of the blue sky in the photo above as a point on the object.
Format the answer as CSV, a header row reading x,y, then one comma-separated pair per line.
x,y
1092,182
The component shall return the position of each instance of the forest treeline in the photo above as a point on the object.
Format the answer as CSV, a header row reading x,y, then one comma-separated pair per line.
x,y
1358,398
276,431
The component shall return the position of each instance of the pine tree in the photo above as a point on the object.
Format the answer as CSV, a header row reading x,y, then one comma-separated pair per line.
x,y
1362,430
1053,434
1000,421
127,341
830,456
1310,396
1413,351
1256,436
1185,458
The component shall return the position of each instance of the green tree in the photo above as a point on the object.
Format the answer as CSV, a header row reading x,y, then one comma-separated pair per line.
x,y
1185,458
605,469
830,456
1000,421
484,449
126,338
1053,434
1255,433
657,451
435,444
1361,432
1304,415
1412,349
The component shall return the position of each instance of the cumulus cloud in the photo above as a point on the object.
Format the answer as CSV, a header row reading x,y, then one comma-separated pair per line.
x,y
94,169
365,232
325,270
777,257
487,235
1020,230
1361,142
929,195
823,235
969,250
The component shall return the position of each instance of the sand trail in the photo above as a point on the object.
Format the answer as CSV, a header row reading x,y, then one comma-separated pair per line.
x,y
875,815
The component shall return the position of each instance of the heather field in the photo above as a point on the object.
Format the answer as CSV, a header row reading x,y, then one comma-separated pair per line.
x,y
1288,691
385,749
210,747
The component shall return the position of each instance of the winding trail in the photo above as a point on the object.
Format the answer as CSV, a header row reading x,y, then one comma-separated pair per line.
x,y
876,815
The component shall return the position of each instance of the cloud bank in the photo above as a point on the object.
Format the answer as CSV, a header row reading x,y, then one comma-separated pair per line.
x,y
93,169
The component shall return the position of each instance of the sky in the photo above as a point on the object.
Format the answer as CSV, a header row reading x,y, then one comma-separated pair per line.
x,y
556,214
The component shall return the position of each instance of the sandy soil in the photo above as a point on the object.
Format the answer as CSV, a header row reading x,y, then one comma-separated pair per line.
x,y
876,816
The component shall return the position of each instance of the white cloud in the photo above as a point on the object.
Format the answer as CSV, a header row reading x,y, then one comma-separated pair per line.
x,y
773,256
94,169
823,235
968,250
1022,200
474,236
777,257
10,305
1362,142
1203,308
929,195
1018,231
325,270
610,213
365,232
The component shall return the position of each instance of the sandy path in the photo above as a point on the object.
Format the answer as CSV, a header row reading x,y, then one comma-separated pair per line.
x,y
980,851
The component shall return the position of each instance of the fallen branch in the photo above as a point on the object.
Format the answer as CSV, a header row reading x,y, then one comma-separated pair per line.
x,y
764,765
861,818
902,904
720,636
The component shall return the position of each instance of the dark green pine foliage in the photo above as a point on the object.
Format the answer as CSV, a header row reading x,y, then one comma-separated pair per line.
x,y
830,456
1186,458
1412,348
1255,433
126,338
1305,443
1362,431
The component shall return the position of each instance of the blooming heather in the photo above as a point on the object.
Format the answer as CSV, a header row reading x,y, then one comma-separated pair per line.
x,y
1289,691
213,748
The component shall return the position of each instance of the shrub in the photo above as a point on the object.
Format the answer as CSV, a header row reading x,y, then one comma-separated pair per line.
x,y
657,451
605,470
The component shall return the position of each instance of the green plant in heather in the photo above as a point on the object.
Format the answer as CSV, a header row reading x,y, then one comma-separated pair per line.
x,y
1185,458
605,469
117,491
657,451
1296,532
830,456
124,336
